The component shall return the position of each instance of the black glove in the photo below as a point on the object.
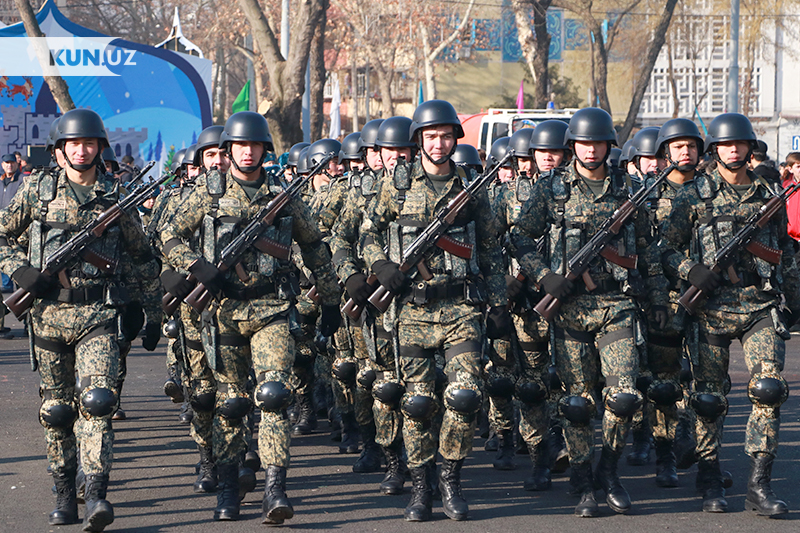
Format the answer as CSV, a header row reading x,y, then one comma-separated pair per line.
x,y
389,275
498,322
556,285
176,284
704,278
357,288
33,280
132,320
513,287
207,274
152,332
330,320
660,316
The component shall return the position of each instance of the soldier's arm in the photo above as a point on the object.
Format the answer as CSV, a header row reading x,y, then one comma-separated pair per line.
x,y
333,204
178,230
676,235
531,225
381,210
490,253
14,221
316,255
345,236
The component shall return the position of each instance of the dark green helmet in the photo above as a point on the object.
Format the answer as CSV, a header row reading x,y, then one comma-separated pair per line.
x,y
208,138
302,162
467,155
394,133
369,133
435,113
520,142
294,154
177,160
321,148
678,128
549,135
50,142
190,155
626,156
350,150
498,151
81,123
591,124
246,126
614,158
109,156
730,127
644,143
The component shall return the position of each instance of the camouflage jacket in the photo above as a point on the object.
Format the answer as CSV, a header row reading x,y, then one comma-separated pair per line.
x,y
420,204
689,236
234,203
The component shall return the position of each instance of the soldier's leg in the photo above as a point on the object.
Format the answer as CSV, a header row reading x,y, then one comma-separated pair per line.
x,y
664,354
370,458
344,369
641,421
273,355
501,376
124,349
764,354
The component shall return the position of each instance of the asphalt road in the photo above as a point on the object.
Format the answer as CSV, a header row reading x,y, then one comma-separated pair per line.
x,y
151,482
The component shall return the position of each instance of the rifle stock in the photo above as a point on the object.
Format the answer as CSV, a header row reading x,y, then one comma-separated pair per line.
x,y
352,309
170,302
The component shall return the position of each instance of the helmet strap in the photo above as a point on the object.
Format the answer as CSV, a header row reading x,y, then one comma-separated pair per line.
x,y
681,168
736,165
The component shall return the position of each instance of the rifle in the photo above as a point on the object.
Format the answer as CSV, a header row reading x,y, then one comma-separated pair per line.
x,y
599,245
743,238
21,300
432,235
231,256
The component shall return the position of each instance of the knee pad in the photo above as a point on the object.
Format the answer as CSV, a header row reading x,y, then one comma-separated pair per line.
x,y
532,392
767,390
366,378
273,396
98,401
463,398
204,401
500,387
345,371
57,414
643,383
709,405
664,393
388,393
418,407
578,410
171,329
623,402
235,408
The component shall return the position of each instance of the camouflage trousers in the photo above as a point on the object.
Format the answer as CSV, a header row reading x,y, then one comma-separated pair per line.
x,y
348,349
380,360
457,329
200,377
253,334
515,363
83,339
764,355
589,341
664,353
306,360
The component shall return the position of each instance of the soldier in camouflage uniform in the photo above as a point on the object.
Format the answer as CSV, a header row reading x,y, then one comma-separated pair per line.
x,y
250,323
703,218
506,173
596,331
442,313
80,328
292,160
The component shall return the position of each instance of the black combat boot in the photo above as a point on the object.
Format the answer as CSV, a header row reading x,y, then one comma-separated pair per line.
x,y
66,511
557,449
247,479
540,475
709,483
394,479
306,417
419,509
187,413
370,458
760,497
349,443
227,492
80,483
581,484
492,444
172,385
666,471
119,414
99,512
455,506
276,504
207,476
640,450
504,460
684,446
607,478
252,461
433,479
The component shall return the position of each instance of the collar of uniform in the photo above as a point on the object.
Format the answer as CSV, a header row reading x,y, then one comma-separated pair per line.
x,y
572,177
262,191
103,187
762,187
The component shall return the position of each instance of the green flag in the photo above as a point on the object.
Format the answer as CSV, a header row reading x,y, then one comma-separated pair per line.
x,y
242,102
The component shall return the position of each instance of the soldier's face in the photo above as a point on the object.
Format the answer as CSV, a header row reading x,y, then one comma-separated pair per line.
x,y
214,157
374,159
649,164
192,171
356,165
684,152
391,155
591,151
247,153
60,158
733,151
335,168
438,141
82,151
548,159
524,164
505,174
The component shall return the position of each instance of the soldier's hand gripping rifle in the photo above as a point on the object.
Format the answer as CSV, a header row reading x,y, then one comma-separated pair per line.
x,y
251,235
432,235
599,245
21,300
727,255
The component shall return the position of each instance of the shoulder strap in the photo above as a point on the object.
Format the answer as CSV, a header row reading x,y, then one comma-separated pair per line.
x,y
216,184
561,192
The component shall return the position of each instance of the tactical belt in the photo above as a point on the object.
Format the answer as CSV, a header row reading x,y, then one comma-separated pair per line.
x,y
417,352
194,345
233,340
422,293
667,341
382,333
603,287
249,293
540,346
75,296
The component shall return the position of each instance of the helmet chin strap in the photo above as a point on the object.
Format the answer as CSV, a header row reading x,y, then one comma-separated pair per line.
x,y
596,164
691,167
82,167
440,161
736,165
250,168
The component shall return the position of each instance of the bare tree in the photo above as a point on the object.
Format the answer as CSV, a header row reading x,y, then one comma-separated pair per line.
x,y
535,44
432,16
317,78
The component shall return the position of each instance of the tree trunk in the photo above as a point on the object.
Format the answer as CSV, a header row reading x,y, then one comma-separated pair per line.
x,y
600,63
317,79
430,83
385,78
676,102
526,38
430,54
659,35
541,58
58,87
